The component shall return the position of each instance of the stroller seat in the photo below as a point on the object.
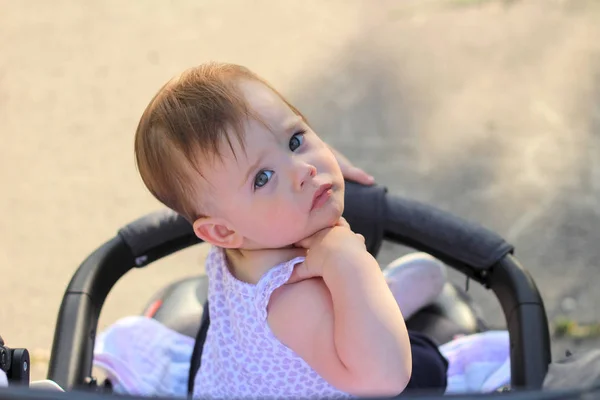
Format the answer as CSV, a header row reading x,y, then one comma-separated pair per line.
x,y
478,253
180,306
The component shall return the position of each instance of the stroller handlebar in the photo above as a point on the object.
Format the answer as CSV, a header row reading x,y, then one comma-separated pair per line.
x,y
475,251
369,211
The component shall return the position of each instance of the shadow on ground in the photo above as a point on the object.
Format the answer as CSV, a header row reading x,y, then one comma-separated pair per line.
x,y
500,135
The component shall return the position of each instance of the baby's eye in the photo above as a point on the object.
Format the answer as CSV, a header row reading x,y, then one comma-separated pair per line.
x,y
262,178
296,141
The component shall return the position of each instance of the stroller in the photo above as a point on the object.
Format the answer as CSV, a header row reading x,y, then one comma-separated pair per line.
x,y
476,252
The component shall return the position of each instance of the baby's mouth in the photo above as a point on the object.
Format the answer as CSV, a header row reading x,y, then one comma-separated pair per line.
x,y
321,196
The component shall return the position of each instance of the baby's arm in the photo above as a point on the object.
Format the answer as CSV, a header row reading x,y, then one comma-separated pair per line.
x,y
344,322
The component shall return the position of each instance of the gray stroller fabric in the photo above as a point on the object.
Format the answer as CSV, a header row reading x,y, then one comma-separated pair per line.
x,y
575,371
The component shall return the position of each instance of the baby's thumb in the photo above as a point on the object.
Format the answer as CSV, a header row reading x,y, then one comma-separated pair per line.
x,y
300,273
308,242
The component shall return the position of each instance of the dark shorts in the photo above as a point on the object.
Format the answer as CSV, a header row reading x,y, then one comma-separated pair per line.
x,y
430,368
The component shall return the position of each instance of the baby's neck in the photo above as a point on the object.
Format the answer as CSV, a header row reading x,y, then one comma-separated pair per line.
x,y
250,265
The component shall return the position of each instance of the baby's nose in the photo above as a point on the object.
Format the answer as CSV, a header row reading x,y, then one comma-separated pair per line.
x,y
305,173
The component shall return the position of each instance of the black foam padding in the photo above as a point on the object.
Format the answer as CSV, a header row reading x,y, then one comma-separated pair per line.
x,y
364,211
443,235
371,212
154,230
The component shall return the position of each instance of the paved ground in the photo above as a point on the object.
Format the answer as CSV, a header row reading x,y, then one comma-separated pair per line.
x,y
488,109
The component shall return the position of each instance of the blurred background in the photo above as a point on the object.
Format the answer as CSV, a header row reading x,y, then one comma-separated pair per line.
x,y
488,109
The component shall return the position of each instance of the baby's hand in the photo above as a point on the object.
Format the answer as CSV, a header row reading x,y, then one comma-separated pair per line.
x,y
329,246
353,313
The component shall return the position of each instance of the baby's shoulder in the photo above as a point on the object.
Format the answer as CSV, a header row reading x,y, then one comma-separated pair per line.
x,y
305,291
289,303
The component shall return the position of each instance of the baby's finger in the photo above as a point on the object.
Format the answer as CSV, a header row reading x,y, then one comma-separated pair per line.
x,y
342,222
300,273
358,175
303,244
297,274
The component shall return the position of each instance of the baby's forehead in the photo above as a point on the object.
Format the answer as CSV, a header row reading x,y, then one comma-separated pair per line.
x,y
263,102
222,176
266,117
237,152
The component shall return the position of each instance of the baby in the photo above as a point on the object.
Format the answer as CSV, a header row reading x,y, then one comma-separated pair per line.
x,y
298,307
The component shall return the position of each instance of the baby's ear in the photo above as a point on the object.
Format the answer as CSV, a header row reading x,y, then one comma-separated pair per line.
x,y
217,233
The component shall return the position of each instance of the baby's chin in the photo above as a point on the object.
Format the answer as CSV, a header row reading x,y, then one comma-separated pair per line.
x,y
290,238
324,224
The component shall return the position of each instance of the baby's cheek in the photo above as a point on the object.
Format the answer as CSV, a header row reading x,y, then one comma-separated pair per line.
x,y
289,231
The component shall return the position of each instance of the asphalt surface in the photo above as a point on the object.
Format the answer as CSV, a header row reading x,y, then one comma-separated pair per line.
x,y
488,109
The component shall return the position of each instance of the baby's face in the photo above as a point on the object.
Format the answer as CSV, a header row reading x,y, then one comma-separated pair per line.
x,y
287,184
